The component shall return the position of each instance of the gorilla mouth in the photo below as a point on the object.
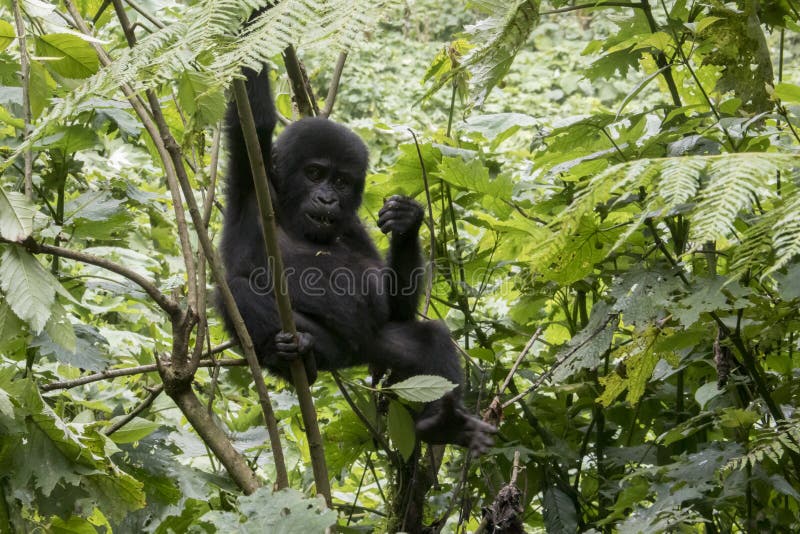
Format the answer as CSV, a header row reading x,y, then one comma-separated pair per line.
x,y
320,219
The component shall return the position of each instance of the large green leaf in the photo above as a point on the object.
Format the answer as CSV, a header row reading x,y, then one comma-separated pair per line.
x,y
201,97
16,215
423,388
283,512
29,289
7,34
402,430
72,57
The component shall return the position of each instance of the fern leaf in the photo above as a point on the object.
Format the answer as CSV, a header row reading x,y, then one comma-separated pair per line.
x,y
735,181
680,179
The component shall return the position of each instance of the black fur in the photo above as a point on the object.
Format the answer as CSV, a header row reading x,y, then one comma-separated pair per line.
x,y
350,307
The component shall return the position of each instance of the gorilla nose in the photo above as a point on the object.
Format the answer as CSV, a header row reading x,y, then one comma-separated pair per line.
x,y
327,201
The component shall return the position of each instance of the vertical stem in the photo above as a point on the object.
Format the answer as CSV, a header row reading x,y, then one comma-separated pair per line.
x,y
25,76
315,446
334,87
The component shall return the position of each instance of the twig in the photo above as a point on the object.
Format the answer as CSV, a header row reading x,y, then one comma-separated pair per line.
x,y
128,371
334,87
25,75
270,236
164,302
213,169
549,373
429,289
143,12
595,5
515,469
303,94
495,409
141,369
136,411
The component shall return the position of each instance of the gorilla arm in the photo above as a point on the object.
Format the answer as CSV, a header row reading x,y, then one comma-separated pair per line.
x,y
402,216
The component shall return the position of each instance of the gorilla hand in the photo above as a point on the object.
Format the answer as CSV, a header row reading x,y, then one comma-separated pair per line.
x,y
401,216
447,421
290,347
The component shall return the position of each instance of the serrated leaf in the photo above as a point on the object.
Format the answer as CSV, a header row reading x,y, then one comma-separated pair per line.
x,y
92,206
7,34
201,97
283,512
16,215
423,388
60,330
402,430
89,351
29,289
72,57
559,512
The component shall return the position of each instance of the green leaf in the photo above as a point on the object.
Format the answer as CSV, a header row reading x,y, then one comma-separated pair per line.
x,y
60,330
788,92
135,430
402,430
72,57
559,512
88,351
201,97
6,406
16,215
7,34
73,525
706,392
29,289
423,388
70,139
284,512
473,176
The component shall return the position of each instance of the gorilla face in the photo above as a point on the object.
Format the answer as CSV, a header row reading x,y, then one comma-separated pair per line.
x,y
319,171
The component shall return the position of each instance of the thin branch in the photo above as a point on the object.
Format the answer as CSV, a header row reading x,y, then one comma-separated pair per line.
x,y
129,371
25,79
303,94
270,236
334,87
164,302
212,177
145,404
591,6
522,355
143,12
544,376
426,184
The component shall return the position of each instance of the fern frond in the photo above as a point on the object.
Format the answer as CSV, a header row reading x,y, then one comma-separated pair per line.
x,y
680,180
717,190
771,445
209,37
786,240
734,182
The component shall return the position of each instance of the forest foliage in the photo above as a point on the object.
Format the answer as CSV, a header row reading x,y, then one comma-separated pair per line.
x,y
612,206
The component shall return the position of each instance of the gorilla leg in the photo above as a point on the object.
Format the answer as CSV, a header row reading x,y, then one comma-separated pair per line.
x,y
273,348
411,348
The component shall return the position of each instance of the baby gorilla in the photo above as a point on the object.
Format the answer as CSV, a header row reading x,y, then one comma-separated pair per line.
x,y
350,307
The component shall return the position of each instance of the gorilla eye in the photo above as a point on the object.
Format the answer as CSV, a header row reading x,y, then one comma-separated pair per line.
x,y
314,173
340,183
